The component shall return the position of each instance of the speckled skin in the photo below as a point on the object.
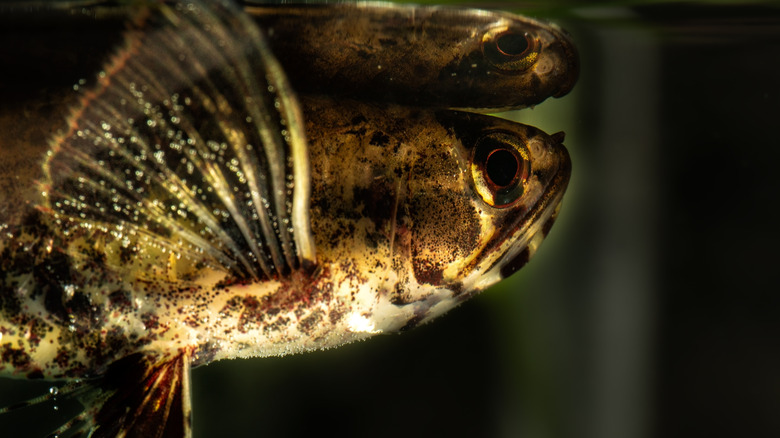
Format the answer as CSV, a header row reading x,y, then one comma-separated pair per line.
x,y
401,237
362,50
133,239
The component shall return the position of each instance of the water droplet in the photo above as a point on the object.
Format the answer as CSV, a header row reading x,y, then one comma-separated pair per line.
x,y
54,390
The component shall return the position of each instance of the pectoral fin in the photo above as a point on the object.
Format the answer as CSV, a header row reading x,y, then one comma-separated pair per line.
x,y
191,147
148,398
139,396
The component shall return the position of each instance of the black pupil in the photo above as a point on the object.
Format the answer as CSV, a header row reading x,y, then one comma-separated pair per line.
x,y
512,44
501,167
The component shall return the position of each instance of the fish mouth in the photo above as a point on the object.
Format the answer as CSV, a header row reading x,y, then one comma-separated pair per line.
x,y
522,250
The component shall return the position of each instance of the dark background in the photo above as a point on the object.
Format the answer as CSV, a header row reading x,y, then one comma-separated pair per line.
x,y
652,308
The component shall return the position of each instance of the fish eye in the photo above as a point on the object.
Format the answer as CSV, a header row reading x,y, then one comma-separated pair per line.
x,y
510,50
500,166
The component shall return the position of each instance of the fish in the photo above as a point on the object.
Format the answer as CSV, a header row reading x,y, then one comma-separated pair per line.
x,y
195,208
475,60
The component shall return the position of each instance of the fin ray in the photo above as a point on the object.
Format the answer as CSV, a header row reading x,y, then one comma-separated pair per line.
x,y
193,140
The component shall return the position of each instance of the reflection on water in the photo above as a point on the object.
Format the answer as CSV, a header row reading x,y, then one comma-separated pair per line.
x,y
651,308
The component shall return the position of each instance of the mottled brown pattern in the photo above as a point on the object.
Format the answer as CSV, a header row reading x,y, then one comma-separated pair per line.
x,y
436,246
16,356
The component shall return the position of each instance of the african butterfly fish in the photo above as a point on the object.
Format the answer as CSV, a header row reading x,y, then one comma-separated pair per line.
x,y
193,208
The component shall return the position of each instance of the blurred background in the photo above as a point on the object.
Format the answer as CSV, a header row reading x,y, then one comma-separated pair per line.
x,y
652,308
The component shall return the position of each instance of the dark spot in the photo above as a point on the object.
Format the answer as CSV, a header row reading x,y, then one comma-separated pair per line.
x,y
400,296
277,325
398,300
231,306
126,254
456,288
38,330
379,139
374,239
335,316
548,226
357,120
514,265
388,42
251,315
412,323
9,302
62,359
120,300
427,272
378,201
17,357
151,322
308,324
36,374
84,315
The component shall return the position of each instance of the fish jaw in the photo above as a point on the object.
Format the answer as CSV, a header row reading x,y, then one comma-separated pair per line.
x,y
516,250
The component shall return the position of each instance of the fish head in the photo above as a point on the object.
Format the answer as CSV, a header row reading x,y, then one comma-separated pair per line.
x,y
416,210
543,54
513,62
478,205
424,56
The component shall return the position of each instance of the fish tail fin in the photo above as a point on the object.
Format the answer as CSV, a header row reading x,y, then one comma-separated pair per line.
x,y
138,396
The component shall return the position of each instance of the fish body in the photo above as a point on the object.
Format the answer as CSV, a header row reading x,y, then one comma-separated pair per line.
x,y
194,208
402,235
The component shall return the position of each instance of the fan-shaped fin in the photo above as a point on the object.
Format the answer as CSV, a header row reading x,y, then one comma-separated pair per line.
x,y
140,395
145,398
190,145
